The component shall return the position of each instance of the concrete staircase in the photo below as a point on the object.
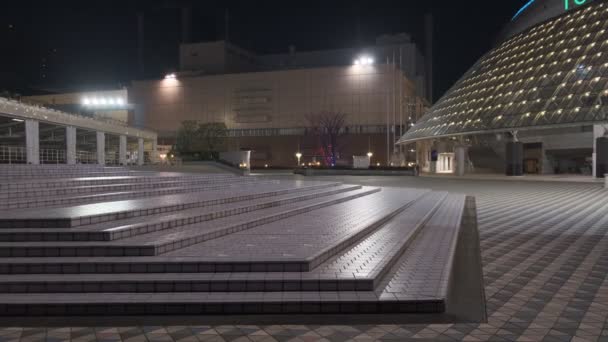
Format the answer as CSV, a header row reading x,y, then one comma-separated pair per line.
x,y
221,244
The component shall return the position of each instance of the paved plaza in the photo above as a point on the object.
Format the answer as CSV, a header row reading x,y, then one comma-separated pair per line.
x,y
545,259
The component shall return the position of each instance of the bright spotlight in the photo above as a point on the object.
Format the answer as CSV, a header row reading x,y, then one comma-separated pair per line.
x,y
103,101
94,101
111,101
86,101
364,60
170,76
120,101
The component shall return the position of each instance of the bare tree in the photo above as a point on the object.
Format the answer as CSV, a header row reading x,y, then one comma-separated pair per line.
x,y
328,127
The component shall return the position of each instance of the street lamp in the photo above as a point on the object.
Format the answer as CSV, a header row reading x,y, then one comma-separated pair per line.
x,y
298,155
369,154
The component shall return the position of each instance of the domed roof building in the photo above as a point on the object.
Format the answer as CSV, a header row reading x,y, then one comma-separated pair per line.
x,y
536,103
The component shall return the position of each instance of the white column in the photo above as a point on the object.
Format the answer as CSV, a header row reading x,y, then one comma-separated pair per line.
x,y
122,150
140,151
32,141
101,148
461,160
70,145
154,155
598,132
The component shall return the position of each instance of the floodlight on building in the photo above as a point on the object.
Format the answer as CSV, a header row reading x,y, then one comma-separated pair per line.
x,y
86,101
170,76
364,60
18,120
120,101
369,154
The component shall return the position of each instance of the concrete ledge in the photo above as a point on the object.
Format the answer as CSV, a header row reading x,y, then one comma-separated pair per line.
x,y
466,300
353,172
222,166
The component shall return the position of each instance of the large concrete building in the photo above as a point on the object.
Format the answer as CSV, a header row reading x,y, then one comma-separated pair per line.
x,y
536,103
264,100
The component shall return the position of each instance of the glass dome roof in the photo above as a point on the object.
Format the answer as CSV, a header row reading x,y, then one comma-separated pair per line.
x,y
553,74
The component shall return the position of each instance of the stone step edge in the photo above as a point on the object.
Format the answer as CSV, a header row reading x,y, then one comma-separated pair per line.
x,y
325,254
93,189
117,233
112,196
378,274
83,180
226,303
78,221
183,282
154,250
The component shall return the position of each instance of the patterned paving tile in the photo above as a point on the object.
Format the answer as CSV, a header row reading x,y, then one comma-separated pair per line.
x,y
545,262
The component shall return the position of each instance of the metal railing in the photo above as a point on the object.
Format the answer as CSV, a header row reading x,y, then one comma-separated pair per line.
x,y
13,155
86,157
18,155
48,156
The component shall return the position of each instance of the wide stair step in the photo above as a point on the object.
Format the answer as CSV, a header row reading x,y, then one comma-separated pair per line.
x,y
356,269
56,201
126,228
164,241
110,211
234,245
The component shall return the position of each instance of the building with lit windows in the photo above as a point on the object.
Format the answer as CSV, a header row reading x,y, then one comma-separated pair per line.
x,y
536,103
264,100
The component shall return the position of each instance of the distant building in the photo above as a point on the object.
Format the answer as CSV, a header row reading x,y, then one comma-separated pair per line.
x,y
105,104
536,103
264,99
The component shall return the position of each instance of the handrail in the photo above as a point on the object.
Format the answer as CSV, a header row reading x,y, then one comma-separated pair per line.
x,y
18,155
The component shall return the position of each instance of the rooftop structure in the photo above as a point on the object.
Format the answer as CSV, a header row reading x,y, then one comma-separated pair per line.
x,y
553,75
542,91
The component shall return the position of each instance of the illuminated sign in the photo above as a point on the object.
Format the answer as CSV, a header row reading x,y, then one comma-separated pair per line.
x,y
568,4
528,4
573,3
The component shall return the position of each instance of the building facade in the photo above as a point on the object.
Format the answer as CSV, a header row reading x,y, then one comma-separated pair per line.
x,y
265,101
536,103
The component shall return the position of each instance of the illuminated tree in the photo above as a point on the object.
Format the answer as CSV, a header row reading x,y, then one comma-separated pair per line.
x,y
328,127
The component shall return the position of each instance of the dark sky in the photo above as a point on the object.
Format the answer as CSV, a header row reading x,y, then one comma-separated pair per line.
x,y
65,45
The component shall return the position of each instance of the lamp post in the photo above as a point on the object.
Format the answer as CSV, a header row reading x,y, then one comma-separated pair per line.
x,y
298,155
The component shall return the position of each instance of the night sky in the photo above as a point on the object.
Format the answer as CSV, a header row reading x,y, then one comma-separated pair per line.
x,y
56,46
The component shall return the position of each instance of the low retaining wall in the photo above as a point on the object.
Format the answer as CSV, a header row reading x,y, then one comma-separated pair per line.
x,y
352,172
606,181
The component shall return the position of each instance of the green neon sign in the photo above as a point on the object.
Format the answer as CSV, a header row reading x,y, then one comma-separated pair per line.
x,y
573,3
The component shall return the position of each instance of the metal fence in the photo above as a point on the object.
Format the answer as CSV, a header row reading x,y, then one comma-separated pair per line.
x,y
18,155
13,155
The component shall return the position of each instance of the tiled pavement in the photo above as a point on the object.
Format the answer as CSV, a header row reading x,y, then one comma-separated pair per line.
x,y
545,261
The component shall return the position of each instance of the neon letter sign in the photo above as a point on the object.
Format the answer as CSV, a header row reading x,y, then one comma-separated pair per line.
x,y
576,3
